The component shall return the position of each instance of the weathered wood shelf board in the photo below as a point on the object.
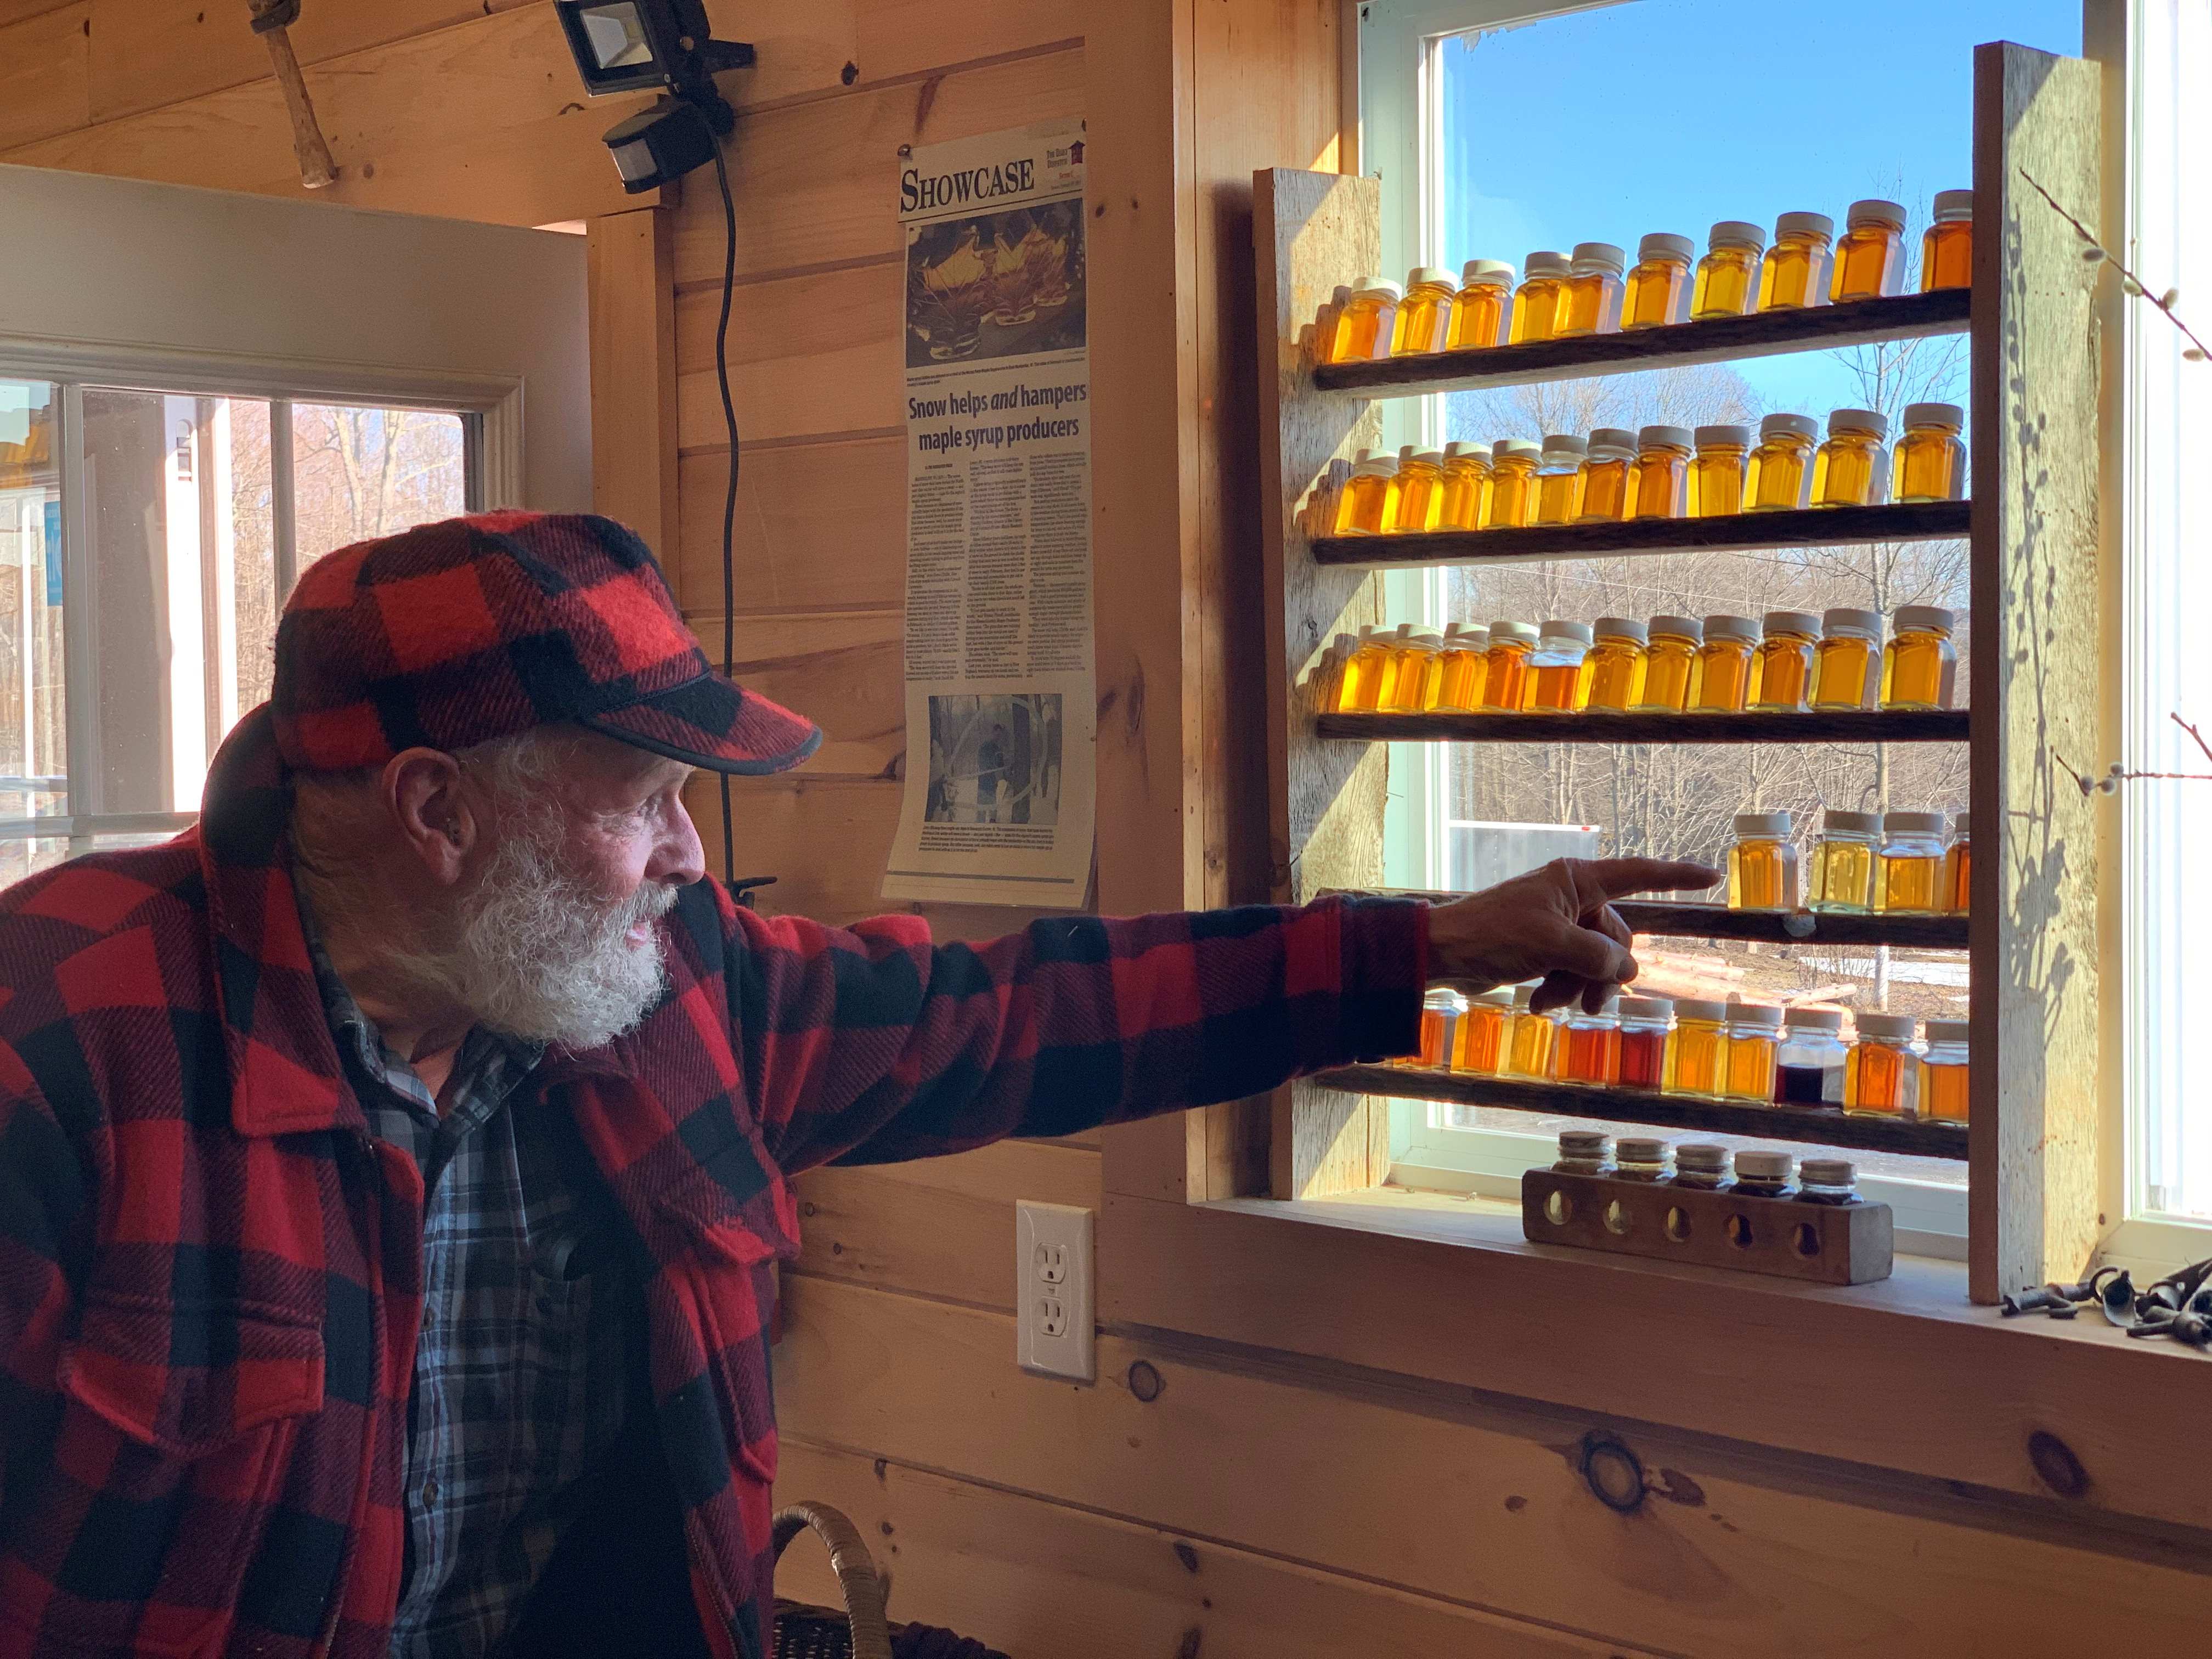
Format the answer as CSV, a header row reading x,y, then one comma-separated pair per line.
x,y
1912,1137
1718,339
1794,927
1842,726
1814,527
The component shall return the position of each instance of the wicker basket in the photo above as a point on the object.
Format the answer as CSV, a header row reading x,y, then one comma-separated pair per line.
x,y
856,1632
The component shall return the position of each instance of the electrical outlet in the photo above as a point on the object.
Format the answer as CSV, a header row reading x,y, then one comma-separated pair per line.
x,y
1052,1262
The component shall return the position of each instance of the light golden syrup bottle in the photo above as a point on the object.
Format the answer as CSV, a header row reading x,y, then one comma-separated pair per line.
x,y
1881,1078
1852,468
1726,662
1328,679
1670,668
1482,311
1762,864
1424,323
1662,472
1783,677
1943,1073
1608,484
1592,302
1795,270
1512,483
1908,872
1505,684
1754,1040
1479,1044
1555,682
1404,653
1931,462
1870,258
1947,251
1728,276
1368,323
1420,482
1780,479
1463,664
1958,868
1847,667
1843,862
1695,1050
1421,689
1466,486
1528,1039
1717,472
1657,292
1920,669
1326,321
1559,478
1619,665
1364,672
1365,503
1536,301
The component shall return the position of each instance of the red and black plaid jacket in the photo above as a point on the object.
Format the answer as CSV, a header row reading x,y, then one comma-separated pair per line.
x,y
209,1272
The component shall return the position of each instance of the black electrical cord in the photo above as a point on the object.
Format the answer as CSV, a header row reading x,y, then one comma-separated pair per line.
x,y
730,494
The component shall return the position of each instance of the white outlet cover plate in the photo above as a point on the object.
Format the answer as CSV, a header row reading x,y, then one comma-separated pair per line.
x,y
1058,1333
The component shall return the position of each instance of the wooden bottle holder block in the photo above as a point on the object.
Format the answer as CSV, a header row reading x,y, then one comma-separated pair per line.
x,y
1817,1243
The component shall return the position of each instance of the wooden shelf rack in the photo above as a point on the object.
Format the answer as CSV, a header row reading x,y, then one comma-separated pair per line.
x,y
1839,725
1819,527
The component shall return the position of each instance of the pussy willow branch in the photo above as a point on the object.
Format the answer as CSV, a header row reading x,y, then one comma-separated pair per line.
x,y
2116,774
2096,250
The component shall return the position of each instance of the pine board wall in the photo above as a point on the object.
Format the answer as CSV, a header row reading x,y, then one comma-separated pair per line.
x,y
1203,1498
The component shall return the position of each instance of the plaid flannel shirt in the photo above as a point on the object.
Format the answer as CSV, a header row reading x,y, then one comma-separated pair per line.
x,y
211,1275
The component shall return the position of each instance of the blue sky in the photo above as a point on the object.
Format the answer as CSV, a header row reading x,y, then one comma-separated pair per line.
x,y
1679,112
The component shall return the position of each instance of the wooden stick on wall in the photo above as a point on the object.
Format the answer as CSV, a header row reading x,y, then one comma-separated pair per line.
x,y
271,20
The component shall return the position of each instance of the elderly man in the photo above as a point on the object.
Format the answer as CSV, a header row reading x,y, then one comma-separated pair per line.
x,y
392,1167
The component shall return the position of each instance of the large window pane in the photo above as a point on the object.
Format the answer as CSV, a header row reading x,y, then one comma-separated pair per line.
x,y
33,756
362,473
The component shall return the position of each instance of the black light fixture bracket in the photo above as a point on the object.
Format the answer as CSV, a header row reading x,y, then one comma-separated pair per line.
x,y
635,46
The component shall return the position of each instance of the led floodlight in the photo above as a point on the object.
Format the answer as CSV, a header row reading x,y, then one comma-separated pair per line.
x,y
629,46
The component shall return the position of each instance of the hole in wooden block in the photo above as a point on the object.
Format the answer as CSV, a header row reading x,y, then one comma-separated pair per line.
x,y
1678,1225
1559,1209
1616,1218
1805,1239
1738,1231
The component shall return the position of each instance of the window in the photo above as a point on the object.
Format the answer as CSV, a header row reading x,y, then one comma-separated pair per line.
x,y
1501,127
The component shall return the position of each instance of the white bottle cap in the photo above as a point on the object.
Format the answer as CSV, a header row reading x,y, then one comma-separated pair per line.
x,y
1444,1000
1875,211
1405,631
1813,1020
1458,446
1923,618
1799,224
1427,458
1515,447
1762,826
1947,1031
1381,288
1646,1007
1585,1143
1436,274
1544,263
1858,420
1912,823
1640,1149
1624,627
1471,636
1565,445
1703,1157
1890,1028
1802,426
1855,624
1407,452
1959,826
1429,641
1738,435
1826,1172
1664,243
1791,622
1500,998
1736,232
1732,628
1495,271
1954,204
1687,627
1755,1014
1521,995
1603,254
1758,1163
1837,821
1698,1008
1579,631
1949,415
1613,438
1374,466
1676,436
1503,633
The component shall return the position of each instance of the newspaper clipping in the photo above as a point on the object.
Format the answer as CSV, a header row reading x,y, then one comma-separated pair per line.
x,y
1001,721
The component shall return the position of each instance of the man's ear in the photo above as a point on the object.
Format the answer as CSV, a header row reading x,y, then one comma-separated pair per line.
x,y
423,792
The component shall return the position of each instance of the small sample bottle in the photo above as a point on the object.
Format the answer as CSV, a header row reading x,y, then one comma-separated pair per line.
x,y
1366,495
1507,684
1943,1073
1762,864
1482,313
1512,483
1781,477
1589,1048
1958,868
1725,661
1368,323
1842,863
1717,472
1882,1076
1662,472
1762,1174
1440,1013
1646,1025
1754,1041
1796,272
1808,1067
1617,663
1420,492
1908,877
1528,1039
1642,1158
1847,668
1608,476
1323,342
1462,664
1360,690
1412,656
1947,251
1728,276
1695,1052
1658,288
1397,645
1784,677
1920,668
1536,302
1559,478
1556,680
1827,1180
1931,462
1870,258
1591,303
1584,1151
1480,1043
1466,486
1702,1166
1671,679
1327,679
1424,322
1852,469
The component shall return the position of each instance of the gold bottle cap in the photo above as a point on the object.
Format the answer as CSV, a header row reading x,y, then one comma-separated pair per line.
x,y
1858,420
1875,211
1800,426
1804,224
1944,415
1665,245
1954,204
1737,232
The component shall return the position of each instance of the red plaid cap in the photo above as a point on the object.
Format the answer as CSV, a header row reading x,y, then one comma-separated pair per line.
x,y
456,633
